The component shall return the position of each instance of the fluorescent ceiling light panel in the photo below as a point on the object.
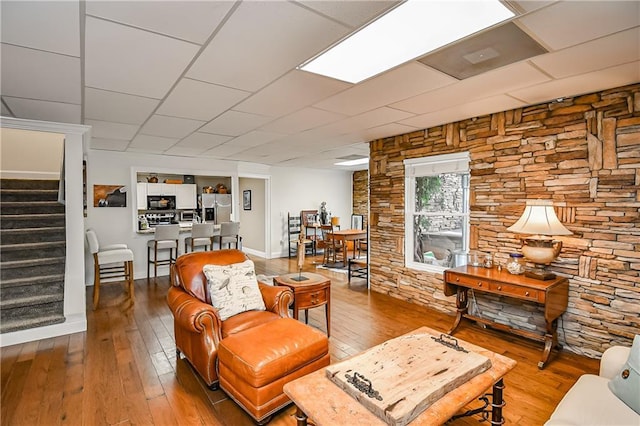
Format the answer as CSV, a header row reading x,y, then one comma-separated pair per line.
x,y
411,30
352,162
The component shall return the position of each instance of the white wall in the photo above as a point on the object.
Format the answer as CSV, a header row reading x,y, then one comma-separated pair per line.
x,y
252,222
21,154
291,189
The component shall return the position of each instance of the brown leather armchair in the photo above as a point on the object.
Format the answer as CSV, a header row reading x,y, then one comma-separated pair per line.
x,y
197,326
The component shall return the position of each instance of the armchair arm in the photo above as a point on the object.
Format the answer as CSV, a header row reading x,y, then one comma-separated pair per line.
x,y
612,361
192,314
277,298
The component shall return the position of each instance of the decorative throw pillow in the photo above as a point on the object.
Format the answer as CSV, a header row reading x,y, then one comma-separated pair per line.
x,y
626,384
233,288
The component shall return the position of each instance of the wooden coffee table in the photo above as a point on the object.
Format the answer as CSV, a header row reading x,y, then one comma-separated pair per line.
x,y
310,293
319,399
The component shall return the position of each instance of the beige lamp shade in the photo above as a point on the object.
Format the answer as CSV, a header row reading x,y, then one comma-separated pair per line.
x,y
539,218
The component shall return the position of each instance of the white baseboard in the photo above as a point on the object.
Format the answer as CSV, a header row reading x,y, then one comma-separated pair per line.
x,y
15,174
255,252
76,323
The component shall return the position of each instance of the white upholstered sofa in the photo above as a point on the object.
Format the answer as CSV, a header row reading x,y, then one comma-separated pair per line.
x,y
591,402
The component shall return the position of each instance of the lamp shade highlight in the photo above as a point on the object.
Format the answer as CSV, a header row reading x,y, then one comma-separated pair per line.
x,y
539,218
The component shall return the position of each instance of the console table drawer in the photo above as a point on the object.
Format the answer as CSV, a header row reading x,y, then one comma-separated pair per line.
x,y
312,298
469,282
513,291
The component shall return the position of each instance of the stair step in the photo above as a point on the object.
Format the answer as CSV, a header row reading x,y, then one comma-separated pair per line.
x,y
27,195
32,246
13,221
17,324
34,207
32,235
32,300
29,183
43,279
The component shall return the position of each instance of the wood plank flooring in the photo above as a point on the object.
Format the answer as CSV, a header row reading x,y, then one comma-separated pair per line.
x,y
123,369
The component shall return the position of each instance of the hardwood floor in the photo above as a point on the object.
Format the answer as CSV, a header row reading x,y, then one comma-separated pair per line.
x,y
123,369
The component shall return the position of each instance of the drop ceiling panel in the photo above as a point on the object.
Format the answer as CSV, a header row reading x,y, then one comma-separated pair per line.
x,y
43,25
275,37
369,119
118,107
401,83
485,85
528,5
199,101
183,151
605,52
585,83
109,144
170,127
351,13
44,110
128,60
224,150
110,130
254,138
33,74
568,23
187,20
203,140
388,130
301,120
295,90
151,143
462,112
235,123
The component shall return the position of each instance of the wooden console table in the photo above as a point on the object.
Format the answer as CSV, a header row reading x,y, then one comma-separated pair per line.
x,y
310,293
552,294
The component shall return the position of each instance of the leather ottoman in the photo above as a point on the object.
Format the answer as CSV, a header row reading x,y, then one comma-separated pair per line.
x,y
255,364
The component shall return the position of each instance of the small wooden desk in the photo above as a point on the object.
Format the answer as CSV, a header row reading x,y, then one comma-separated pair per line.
x,y
310,293
350,235
319,399
552,294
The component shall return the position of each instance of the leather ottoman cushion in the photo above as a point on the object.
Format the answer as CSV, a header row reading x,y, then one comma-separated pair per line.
x,y
270,351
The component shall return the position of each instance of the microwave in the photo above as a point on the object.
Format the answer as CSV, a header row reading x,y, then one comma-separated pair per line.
x,y
161,202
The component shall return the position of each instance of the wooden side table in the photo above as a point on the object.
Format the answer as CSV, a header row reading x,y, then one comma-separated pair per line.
x,y
310,293
552,294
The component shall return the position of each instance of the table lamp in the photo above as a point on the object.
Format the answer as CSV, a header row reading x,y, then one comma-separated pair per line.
x,y
540,221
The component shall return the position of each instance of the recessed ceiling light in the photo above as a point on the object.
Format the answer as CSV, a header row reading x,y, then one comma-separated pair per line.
x,y
410,30
353,162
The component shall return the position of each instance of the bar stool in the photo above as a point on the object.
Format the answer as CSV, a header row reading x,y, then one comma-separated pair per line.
x,y
114,261
165,237
201,236
229,234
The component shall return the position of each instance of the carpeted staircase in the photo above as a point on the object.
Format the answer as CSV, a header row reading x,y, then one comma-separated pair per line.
x,y
32,254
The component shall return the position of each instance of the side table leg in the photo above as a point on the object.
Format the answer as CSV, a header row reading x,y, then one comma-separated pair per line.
x,y
497,403
301,417
462,304
550,342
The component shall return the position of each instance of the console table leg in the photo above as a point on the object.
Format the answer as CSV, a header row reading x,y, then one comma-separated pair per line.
x,y
301,417
461,304
550,342
497,403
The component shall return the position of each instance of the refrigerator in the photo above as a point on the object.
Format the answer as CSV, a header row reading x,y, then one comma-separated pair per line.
x,y
216,208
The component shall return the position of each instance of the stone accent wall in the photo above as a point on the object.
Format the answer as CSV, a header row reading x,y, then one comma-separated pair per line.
x,y
361,193
584,154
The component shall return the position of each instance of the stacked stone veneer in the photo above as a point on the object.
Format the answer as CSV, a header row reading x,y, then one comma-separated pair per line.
x,y
361,193
584,154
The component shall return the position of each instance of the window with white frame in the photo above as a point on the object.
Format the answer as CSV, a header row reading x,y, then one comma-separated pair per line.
x,y
436,210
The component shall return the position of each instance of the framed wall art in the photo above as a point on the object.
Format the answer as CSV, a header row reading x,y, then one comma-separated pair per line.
x,y
246,199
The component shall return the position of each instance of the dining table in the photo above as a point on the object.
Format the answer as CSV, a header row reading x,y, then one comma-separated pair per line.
x,y
354,235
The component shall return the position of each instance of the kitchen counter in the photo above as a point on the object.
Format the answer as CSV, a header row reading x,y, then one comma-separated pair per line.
x,y
184,227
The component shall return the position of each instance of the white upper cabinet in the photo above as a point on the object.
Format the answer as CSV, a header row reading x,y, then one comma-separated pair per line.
x,y
185,196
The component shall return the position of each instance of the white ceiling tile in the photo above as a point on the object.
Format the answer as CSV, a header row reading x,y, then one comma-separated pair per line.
x,y
254,138
304,119
155,143
387,130
480,86
117,107
275,37
235,123
530,5
567,23
200,101
109,144
605,52
188,20
128,60
170,127
224,150
199,140
44,110
351,13
183,151
293,91
366,120
396,85
33,74
109,130
585,83
44,25
463,112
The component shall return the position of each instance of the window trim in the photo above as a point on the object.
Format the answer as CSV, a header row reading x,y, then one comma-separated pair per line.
x,y
428,166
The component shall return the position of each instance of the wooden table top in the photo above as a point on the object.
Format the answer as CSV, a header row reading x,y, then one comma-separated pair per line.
x,y
313,279
361,233
327,405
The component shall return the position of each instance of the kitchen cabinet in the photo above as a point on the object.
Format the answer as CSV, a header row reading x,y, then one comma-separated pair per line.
x,y
141,195
161,189
185,196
